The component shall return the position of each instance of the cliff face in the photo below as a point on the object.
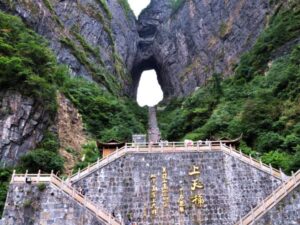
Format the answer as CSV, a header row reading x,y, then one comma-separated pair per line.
x,y
96,39
189,41
185,41
22,124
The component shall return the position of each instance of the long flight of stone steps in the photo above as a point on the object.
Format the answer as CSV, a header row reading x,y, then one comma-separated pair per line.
x,y
272,200
176,147
66,188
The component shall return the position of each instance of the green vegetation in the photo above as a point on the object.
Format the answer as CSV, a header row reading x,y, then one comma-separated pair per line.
x,y
126,7
89,155
99,107
99,73
5,175
44,158
105,8
176,4
259,102
27,203
283,27
53,13
26,60
41,187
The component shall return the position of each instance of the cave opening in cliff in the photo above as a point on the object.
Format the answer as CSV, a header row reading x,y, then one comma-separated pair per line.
x,y
149,92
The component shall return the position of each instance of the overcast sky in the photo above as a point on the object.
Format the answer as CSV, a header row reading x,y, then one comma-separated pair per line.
x,y
138,5
149,91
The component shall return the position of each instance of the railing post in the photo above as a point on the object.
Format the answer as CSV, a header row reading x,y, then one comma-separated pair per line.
x,y
98,163
281,174
251,161
271,169
294,177
78,174
230,148
210,145
26,175
284,186
264,204
260,163
252,214
38,176
241,154
273,195
13,176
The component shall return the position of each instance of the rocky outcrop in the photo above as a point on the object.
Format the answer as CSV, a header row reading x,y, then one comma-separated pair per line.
x,y
96,39
186,43
22,124
70,131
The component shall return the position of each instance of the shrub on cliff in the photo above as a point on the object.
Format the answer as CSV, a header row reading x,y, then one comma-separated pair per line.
x,y
40,159
5,175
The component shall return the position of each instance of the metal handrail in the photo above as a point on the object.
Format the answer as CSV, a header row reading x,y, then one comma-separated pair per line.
x,y
101,213
274,198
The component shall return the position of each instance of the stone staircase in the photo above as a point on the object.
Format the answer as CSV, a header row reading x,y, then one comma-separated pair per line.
x,y
272,200
287,186
176,147
66,188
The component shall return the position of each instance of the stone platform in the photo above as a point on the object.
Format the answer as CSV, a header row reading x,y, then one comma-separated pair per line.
x,y
231,188
211,185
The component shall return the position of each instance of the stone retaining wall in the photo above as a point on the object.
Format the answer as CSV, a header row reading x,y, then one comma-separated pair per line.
x,y
231,187
30,205
286,212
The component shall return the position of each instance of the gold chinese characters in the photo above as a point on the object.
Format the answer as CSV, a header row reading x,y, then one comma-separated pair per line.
x,y
153,208
196,199
165,188
181,202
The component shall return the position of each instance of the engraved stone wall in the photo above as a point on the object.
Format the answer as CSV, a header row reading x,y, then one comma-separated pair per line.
x,y
231,187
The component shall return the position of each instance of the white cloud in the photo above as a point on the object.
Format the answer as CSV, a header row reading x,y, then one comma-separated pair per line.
x,y
149,91
138,5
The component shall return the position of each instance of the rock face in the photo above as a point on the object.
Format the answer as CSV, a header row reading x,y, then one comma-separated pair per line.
x,y
231,187
96,39
188,43
22,124
28,204
70,130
